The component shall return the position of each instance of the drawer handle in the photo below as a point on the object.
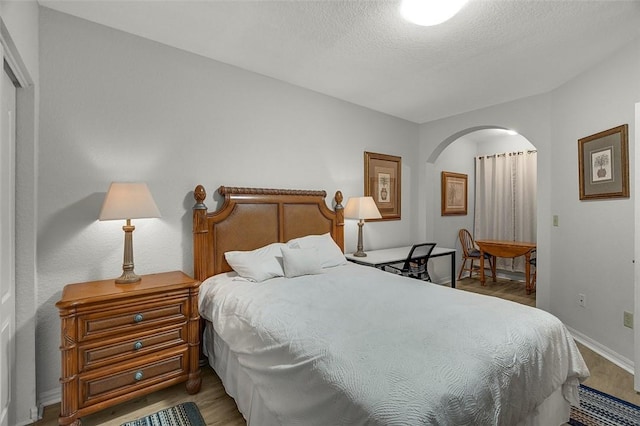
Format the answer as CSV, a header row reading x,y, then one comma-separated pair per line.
x,y
137,317
138,375
137,345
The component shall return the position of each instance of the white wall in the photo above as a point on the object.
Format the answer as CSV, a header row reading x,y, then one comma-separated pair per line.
x,y
457,158
591,251
502,144
593,248
19,21
118,107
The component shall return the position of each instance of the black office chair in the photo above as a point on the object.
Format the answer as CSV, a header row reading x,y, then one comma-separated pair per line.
x,y
415,266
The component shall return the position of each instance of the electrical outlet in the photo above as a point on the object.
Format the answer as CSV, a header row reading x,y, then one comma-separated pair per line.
x,y
582,300
628,319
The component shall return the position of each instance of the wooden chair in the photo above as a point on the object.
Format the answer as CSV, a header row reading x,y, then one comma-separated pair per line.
x,y
415,265
534,269
470,254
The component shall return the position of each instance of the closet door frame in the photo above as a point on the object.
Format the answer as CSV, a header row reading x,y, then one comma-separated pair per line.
x,y
23,408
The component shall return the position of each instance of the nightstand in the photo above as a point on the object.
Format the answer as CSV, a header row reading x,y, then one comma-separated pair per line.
x,y
121,341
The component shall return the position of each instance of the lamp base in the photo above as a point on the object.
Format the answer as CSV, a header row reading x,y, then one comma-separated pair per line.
x,y
359,249
128,277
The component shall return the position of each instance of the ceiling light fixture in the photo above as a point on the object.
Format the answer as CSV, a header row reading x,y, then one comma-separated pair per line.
x,y
430,12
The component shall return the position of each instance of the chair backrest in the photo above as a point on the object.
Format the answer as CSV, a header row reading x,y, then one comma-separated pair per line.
x,y
418,255
466,241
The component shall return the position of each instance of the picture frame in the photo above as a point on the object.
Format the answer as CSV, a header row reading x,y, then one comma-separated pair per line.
x,y
454,194
603,164
383,182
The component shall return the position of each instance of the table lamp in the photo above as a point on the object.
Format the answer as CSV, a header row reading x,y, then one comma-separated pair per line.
x,y
361,208
128,201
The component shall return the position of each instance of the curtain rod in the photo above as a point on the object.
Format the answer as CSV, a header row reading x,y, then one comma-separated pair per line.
x,y
504,154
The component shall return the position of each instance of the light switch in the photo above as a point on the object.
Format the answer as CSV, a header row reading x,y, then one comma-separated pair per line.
x,y
555,220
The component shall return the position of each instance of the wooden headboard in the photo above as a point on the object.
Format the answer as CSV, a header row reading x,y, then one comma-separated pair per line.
x,y
254,217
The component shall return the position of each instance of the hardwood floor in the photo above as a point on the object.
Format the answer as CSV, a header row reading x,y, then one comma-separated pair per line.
x,y
605,375
219,409
505,289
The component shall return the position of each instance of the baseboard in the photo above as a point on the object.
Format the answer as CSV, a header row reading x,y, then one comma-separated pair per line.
x,y
510,275
48,398
33,417
603,351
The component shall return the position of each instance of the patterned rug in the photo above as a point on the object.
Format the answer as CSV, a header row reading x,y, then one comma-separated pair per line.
x,y
601,409
186,414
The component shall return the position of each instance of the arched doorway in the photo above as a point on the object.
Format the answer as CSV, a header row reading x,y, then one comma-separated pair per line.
x,y
457,154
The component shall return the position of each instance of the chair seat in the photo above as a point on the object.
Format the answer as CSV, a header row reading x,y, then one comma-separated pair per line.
x,y
476,253
415,266
419,272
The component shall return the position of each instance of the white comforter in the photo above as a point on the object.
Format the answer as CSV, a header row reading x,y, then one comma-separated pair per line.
x,y
356,345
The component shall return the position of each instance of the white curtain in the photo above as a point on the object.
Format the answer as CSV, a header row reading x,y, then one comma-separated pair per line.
x,y
506,200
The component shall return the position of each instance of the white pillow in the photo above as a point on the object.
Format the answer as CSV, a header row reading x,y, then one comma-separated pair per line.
x,y
329,253
300,261
259,264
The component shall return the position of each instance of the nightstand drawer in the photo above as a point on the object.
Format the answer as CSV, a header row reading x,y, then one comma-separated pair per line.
x,y
102,353
103,385
131,319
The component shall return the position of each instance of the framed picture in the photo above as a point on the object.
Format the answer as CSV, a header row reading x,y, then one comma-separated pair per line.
x,y
382,181
603,161
454,194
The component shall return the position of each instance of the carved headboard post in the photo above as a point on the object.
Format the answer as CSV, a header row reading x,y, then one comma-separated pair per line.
x,y
339,209
200,234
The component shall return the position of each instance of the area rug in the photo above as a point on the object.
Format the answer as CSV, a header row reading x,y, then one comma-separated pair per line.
x,y
185,414
601,409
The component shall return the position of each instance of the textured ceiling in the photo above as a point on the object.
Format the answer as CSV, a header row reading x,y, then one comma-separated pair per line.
x,y
365,53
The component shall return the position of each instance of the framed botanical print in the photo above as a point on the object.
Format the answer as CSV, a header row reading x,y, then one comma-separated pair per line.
x,y
382,181
454,194
603,163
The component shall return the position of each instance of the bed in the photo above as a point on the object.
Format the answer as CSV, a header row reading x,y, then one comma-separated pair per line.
x,y
322,341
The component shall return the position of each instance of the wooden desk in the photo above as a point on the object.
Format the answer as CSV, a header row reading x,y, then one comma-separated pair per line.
x,y
380,258
510,249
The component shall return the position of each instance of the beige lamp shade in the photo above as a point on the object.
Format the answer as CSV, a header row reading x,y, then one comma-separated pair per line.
x,y
361,208
126,200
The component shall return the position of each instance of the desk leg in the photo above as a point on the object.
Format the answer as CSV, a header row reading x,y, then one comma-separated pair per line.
x,y
453,269
481,267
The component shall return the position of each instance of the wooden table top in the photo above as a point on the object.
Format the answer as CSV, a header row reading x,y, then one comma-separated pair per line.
x,y
504,248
